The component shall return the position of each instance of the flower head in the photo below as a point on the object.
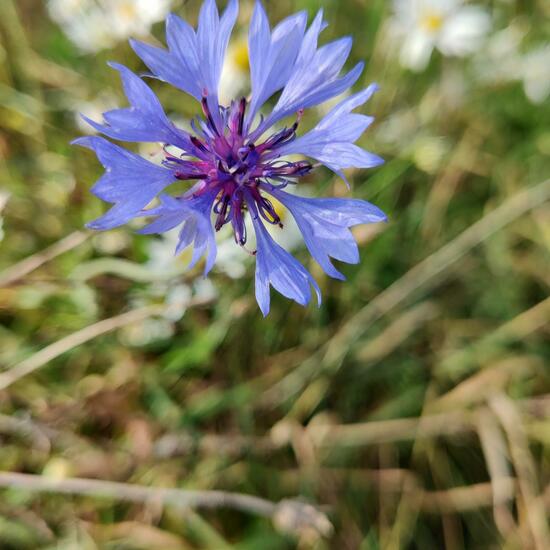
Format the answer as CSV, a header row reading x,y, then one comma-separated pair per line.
x,y
236,160
448,25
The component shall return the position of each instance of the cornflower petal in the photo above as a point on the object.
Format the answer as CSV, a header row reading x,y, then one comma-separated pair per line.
x,y
129,181
194,216
324,225
145,120
314,78
194,60
276,267
272,54
331,142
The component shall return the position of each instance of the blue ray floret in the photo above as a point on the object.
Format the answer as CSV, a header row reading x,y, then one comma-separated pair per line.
x,y
235,160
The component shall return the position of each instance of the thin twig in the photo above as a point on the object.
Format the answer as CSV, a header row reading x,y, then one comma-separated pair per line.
x,y
535,514
42,436
517,329
24,267
126,269
291,515
427,273
385,431
75,339
463,499
137,493
396,333
27,429
495,452
483,384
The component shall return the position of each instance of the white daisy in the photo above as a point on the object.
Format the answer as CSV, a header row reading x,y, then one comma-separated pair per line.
x,y
177,302
134,17
94,25
502,61
535,73
449,26
234,78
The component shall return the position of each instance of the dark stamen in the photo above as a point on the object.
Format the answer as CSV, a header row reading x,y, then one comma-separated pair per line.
x,y
242,109
208,115
183,176
221,208
199,144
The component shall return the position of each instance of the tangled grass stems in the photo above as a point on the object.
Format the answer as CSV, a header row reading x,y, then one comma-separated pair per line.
x,y
426,274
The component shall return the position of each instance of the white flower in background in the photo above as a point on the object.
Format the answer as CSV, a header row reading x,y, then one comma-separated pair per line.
x,y
94,25
204,290
499,60
180,297
177,302
449,26
111,243
147,332
231,260
289,236
160,253
84,23
535,73
134,17
429,152
502,61
4,197
93,109
234,79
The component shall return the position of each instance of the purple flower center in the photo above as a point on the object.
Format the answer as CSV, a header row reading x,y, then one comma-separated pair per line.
x,y
226,160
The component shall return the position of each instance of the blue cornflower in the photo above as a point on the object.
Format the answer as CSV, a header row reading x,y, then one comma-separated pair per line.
x,y
233,155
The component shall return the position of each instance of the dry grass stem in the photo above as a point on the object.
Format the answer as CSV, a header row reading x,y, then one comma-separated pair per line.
x,y
47,354
533,504
24,267
397,332
496,457
516,329
386,431
287,515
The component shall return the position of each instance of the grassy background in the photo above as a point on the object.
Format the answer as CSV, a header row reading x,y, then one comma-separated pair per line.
x,y
413,406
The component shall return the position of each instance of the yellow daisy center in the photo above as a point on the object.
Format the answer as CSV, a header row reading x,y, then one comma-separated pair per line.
x,y
127,10
240,55
432,22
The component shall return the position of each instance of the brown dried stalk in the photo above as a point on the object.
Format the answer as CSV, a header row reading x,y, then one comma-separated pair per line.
x,y
287,515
